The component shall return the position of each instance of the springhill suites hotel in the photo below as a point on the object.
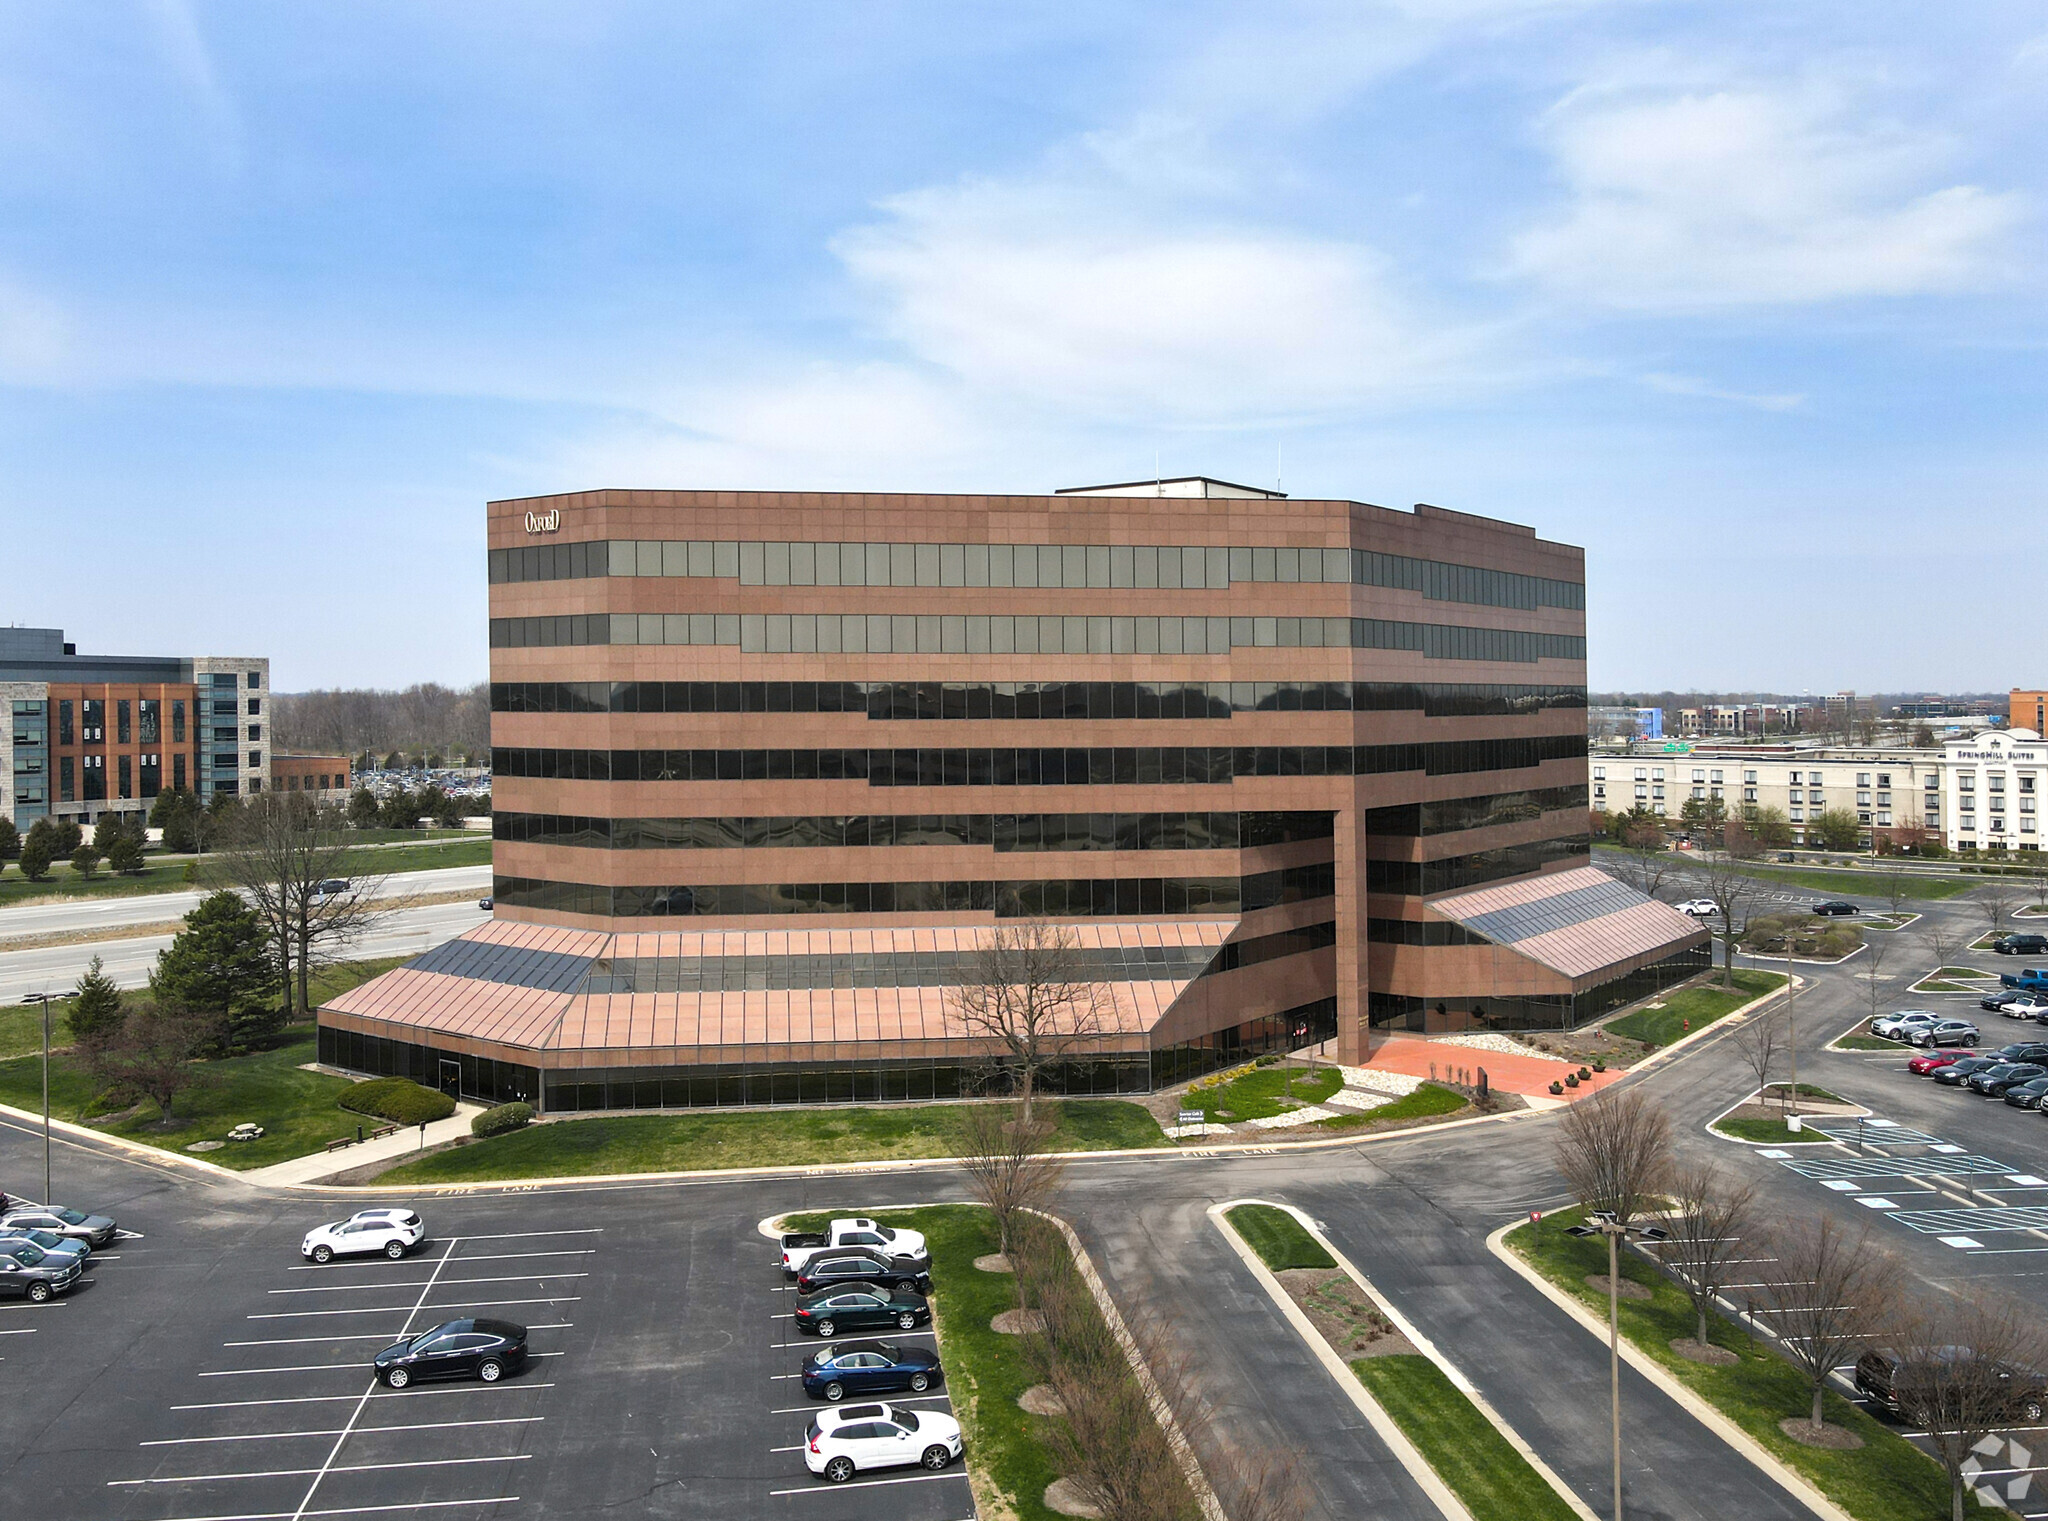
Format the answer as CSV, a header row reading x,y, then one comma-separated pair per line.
x,y
769,766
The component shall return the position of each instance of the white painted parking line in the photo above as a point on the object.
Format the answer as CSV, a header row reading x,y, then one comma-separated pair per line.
x,y
22,1331
378,1288
295,1368
54,1304
300,1473
274,1436
840,1489
1869,1203
348,1510
2028,1180
301,1341
589,1230
1964,1242
894,1399
394,1309
1839,1185
816,1341
382,1394
573,1251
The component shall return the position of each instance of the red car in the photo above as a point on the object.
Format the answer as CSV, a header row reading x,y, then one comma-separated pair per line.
x,y
1927,1061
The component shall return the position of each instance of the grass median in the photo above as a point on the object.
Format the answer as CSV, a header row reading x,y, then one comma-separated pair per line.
x,y
706,1139
1278,1238
1887,1479
1870,884
1466,1449
1694,1008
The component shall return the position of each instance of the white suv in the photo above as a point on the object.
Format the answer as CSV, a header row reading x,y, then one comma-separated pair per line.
x,y
840,1443
1699,908
394,1232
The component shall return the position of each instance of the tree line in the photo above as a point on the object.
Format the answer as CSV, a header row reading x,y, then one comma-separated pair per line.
x,y
426,720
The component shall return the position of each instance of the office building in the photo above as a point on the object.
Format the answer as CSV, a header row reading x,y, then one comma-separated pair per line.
x,y
769,768
96,734
330,776
2027,710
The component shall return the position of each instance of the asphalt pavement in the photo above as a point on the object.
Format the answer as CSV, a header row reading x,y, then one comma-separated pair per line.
x,y
76,914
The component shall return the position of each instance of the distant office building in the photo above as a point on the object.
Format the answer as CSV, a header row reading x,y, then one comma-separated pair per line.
x,y
1733,720
328,775
770,769
96,734
1625,723
2027,710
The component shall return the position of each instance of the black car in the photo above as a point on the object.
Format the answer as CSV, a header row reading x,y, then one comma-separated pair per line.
x,y
26,1269
825,1272
1903,1390
868,1367
1955,1074
485,1349
1996,1001
860,1307
2021,945
1993,1081
1834,908
2021,1051
2027,1095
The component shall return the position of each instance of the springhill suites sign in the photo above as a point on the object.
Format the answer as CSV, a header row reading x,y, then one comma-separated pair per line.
x,y
544,522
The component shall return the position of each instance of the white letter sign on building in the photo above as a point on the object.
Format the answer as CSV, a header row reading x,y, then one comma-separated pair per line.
x,y
544,522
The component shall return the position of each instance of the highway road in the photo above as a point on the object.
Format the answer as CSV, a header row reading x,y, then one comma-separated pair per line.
x,y
157,908
54,969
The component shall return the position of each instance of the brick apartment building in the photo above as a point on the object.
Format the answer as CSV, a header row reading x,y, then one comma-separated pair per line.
x,y
89,735
768,767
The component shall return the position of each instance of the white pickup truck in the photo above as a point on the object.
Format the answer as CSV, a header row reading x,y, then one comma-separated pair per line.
x,y
905,1247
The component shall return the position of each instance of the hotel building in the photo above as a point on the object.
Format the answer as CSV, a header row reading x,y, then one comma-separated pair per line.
x,y
769,766
89,735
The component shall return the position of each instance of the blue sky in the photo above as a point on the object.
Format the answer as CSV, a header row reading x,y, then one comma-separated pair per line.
x,y
1744,298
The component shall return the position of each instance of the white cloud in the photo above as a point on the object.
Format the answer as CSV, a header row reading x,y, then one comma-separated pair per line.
x,y
1691,385
1083,299
1753,196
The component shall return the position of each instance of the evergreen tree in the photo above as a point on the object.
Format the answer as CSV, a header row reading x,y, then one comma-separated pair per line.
x,y
96,1012
176,813
69,835
10,839
85,860
221,963
125,854
362,809
105,832
38,850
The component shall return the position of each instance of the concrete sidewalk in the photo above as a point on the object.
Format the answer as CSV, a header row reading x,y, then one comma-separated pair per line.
x,y
408,1142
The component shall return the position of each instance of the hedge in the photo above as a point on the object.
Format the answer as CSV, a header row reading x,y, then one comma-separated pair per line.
x,y
503,1118
397,1098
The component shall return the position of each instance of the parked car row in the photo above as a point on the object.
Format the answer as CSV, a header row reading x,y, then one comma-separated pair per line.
x,y
859,1275
2021,945
1924,1027
2016,1003
2017,1073
44,1248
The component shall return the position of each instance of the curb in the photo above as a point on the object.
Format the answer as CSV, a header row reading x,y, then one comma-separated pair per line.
x,y
1794,1484
1716,1027
1407,1328
1384,1426
140,1152
1162,1411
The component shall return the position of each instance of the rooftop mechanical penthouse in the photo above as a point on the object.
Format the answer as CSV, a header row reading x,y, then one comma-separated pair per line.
x,y
769,766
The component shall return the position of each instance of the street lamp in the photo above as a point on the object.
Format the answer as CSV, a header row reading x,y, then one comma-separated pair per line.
x,y
1604,1222
44,1000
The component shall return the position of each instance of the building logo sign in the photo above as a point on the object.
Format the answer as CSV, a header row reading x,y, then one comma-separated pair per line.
x,y
544,522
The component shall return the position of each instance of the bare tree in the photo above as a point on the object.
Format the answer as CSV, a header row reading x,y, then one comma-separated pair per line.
x,y
1944,939
1876,947
155,1050
1964,1369
2036,862
1644,862
1721,882
1613,1150
282,849
1006,1162
1996,900
1029,997
1897,875
1761,1043
1828,1291
1708,1215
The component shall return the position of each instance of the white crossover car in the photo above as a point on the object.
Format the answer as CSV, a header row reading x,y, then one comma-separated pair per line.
x,y
394,1232
854,1438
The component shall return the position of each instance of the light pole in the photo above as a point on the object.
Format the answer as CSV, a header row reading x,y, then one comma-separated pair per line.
x,y
44,1000
1604,1222
1791,1029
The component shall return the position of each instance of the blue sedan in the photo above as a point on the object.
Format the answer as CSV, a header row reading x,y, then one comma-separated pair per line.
x,y
868,1367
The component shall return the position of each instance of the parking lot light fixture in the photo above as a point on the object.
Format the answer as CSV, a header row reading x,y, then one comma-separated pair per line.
x,y
44,1000
1604,1222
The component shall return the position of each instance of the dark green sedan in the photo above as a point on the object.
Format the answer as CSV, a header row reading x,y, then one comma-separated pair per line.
x,y
860,1307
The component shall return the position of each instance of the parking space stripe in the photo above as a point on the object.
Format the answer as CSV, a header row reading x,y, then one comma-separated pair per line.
x,y
784,1346
389,1394
380,1262
588,1230
894,1399
319,1473
369,1288
273,1436
393,1309
840,1489
350,1510
295,1368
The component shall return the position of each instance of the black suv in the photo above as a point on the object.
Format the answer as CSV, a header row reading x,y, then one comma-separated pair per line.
x,y
2021,945
1892,1384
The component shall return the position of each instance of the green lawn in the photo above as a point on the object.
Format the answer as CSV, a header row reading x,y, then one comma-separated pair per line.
x,y
1752,1129
295,1108
1701,1003
1426,1102
1865,1043
161,875
471,850
985,1372
1463,1446
1278,1238
1888,1479
701,1139
21,1028
1259,1093
1868,884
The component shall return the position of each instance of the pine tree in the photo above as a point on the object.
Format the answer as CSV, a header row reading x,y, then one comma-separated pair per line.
x,y
10,839
96,1012
85,860
125,854
38,850
221,963
106,832
69,835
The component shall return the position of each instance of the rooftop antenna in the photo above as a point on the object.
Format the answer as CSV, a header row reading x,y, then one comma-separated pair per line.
x,y
1277,448
1158,484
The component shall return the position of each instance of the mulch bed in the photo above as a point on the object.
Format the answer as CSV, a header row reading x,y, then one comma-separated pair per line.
x,y
1700,1352
1834,1438
1629,1288
1339,1309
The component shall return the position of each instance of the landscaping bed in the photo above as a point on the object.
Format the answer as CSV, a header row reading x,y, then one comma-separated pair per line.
x,y
1693,1007
705,1139
1432,1101
1259,1093
1887,1479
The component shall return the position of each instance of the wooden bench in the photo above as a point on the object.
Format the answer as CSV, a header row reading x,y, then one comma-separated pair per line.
x,y
340,1141
378,1135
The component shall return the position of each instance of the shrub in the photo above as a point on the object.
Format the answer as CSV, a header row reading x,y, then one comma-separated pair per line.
x,y
397,1098
1269,1059
1571,1080
503,1118
1557,1088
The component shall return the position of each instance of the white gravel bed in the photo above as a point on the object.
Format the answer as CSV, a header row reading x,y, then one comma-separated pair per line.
x,y
1357,1099
1307,1115
1394,1084
1506,1045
